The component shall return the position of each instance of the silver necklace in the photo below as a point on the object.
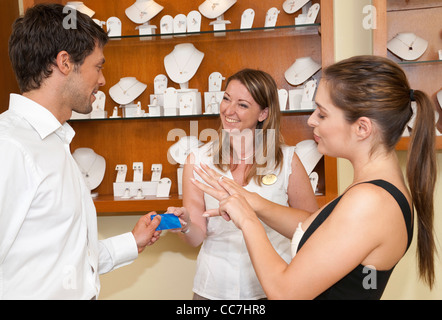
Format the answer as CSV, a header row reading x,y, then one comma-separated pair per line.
x,y
182,70
410,46
143,12
86,172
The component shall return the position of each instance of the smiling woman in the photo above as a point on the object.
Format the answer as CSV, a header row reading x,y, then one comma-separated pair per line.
x,y
250,118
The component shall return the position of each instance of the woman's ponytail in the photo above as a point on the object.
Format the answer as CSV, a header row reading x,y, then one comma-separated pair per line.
x,y
421,169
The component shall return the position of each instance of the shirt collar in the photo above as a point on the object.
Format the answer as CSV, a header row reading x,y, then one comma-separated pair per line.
x,y
40,118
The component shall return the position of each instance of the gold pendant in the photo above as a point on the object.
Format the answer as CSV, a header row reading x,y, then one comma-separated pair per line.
x,y
269,179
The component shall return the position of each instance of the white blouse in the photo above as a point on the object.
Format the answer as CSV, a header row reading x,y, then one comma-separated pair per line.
x,y
224,269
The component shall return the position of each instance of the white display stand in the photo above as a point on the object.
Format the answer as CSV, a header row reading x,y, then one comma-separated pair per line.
x,y
113,25
213,98
98,106
194,21
247,18
145,30
180,24
301,70
166,26
407,46
219,25
283,98
139,189
271,17
79,6
91,165
143,10
182,63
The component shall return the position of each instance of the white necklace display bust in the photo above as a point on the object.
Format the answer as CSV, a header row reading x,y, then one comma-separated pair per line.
x,y
143,10
183,62
127,90
301,70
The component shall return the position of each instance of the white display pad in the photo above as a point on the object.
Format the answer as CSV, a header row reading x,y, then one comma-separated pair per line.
x,y
212,9
91,165
407,46
143,10
127,90
193,21
166,24
183,62
301,70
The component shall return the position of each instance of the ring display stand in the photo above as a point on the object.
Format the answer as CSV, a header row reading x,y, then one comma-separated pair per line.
x,y
213,98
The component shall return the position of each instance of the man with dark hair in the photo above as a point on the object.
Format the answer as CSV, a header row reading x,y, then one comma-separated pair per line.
x,y
49,246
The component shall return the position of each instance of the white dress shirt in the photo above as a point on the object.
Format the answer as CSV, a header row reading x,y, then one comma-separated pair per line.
x,y
49,246
224,269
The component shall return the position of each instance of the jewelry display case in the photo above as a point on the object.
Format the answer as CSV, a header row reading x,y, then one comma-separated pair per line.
x,y
147,138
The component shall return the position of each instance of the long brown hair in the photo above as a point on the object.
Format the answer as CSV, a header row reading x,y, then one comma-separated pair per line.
x,y
378,88
264,91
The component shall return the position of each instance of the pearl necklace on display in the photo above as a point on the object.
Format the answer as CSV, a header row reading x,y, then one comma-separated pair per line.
x,y
125,91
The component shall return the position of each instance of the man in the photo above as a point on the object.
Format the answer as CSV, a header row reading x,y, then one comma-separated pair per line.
x,y
49,247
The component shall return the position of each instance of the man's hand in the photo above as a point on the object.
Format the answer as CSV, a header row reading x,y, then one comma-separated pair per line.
x,y
144,231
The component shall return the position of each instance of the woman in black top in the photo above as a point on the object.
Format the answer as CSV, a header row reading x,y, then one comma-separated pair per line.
x,y
348,249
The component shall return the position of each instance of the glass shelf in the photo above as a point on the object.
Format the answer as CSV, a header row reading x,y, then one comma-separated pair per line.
x,y
420,62
229,34
285,112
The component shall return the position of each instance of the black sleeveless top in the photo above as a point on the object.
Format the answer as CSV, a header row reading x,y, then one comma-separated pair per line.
x,y
362,283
